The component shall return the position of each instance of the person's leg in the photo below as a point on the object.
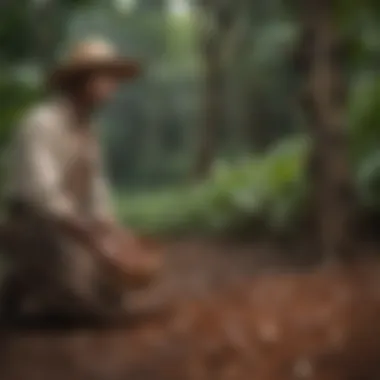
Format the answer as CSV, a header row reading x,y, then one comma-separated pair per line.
x,y
79,283
11,298
112,295
22,248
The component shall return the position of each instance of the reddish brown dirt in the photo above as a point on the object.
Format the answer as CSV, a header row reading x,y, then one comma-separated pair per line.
x,y
223,317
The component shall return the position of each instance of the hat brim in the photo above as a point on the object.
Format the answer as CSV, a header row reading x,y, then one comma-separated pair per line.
x,y
122,69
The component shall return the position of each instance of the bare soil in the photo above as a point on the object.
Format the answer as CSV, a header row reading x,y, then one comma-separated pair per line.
x,y
223,311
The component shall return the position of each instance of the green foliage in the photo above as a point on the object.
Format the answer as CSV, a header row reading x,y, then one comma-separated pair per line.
x,y
365,116
268,188
368,177
14,97
16,31
365,134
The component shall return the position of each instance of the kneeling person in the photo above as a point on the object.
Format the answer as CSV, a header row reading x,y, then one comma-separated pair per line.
x,y
59,197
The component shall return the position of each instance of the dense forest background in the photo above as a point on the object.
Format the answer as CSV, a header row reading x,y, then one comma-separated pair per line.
x,y
213,135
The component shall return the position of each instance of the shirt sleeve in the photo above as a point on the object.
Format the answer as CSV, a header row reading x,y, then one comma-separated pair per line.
x,y
38,173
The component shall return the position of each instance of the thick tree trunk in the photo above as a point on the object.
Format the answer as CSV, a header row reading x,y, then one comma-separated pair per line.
x,y
323,100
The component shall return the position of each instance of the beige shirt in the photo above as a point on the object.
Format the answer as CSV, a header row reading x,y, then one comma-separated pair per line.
x,y
41,157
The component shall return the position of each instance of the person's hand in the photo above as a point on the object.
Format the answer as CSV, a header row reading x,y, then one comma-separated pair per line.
x,y
105,228
107,245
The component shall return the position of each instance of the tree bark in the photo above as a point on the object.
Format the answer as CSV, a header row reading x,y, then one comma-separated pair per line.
x,y
320,58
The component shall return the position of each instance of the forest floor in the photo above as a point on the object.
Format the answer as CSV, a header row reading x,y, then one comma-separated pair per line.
x,y
223,311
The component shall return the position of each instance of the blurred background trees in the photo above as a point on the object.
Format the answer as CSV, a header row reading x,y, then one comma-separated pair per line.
x,y
218,107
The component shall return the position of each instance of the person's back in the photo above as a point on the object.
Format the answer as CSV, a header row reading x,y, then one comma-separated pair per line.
x,y
55,166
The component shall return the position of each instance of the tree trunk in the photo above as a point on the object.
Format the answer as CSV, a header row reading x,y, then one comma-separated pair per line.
x,y
214,85
324,101
236,48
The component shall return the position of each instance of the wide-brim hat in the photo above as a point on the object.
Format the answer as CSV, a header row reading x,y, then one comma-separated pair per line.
x,y
91,56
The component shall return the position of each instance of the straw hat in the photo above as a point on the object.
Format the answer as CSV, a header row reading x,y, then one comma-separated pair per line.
x,y
93,55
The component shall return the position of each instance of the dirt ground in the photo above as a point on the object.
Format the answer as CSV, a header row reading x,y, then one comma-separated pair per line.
x,y
223,311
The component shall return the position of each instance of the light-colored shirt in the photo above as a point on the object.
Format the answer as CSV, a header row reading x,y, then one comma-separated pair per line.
x,y
42,156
